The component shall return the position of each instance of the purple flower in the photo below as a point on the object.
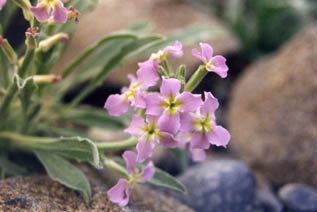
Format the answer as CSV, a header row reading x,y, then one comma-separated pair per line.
x,y
148,133
118,104
43,9
148,69
120,193
215,64
202,128
170,103
2,3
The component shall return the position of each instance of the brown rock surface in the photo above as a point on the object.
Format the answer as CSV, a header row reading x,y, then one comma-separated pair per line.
x,y
41,194
167,16
273,113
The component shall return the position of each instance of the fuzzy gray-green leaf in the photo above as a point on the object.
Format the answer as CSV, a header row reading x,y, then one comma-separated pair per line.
x,y
65,173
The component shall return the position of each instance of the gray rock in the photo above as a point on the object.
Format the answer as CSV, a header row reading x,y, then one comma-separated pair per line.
x,y
273,113
299,197
224,186
266,200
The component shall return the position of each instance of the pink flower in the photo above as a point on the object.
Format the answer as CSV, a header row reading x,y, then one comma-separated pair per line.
x,y
215,64
170,103
43,9
32,32
119,104
2,3
120,193
148,133
201,126
148,69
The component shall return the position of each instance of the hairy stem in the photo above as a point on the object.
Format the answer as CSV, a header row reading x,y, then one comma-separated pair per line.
x,y
120,145
196,78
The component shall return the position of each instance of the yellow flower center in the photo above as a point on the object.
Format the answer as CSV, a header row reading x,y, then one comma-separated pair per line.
x,y
171,105
204,125
151,130
160,55
130,94
210,64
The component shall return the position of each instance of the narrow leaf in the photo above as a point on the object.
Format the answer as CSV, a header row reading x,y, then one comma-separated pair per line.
x,y
65,173
165,180
160,178
11,168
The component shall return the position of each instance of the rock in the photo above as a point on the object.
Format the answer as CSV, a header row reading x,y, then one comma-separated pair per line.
x,y
224,186
266,200
299,197
167,15
41,194
273,113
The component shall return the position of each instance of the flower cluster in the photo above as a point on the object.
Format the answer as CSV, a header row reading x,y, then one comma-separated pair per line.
x,y
170,118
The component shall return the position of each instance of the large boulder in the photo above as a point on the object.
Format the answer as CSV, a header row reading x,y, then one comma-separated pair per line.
x,y
273,113
167,15
219,186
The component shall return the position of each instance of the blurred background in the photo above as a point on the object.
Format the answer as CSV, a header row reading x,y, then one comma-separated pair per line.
x,y
268,102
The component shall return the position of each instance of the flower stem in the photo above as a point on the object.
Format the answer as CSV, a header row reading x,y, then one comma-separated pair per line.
x,y
120,145
114,166
13,87
196,78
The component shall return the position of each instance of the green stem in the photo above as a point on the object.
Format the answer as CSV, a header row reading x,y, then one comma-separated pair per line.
x,y
24,140
120,145
13,87
114,166
196,78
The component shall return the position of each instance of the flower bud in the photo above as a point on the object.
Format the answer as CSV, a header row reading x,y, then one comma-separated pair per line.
x,y
31,35
8,50
73,14
46,79
48,43
25,5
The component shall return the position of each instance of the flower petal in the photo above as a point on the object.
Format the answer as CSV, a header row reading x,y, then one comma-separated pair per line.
x,y
219,136
147,73
197,54
187,122
130,160
170,87
135,126
175,50
153,104
148,172
169,123
210,104
116,105
41,12
198,155
199,141
167,140
207,50
220,66
139,100
190,102
118,194
2,3
59,12
145,149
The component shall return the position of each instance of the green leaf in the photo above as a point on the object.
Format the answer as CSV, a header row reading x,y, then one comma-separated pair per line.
x,y
93,117
65,173
11,168
160,178
165,180
26,88
186,36
80,149
129,49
